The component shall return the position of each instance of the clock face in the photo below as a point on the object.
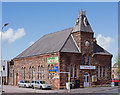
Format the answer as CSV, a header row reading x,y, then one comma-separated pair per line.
x,y
87,43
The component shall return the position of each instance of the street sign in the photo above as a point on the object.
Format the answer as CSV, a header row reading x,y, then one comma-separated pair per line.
x,y
52,60
52,71
56,68
56,76
87,67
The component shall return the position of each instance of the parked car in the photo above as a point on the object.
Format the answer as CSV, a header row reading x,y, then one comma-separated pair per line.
x,y
24,83
40,84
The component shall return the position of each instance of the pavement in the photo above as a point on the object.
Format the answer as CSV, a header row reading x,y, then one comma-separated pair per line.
x,y
15,89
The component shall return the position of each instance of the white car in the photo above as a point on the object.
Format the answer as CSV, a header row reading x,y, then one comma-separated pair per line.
x,y
24,83
40,84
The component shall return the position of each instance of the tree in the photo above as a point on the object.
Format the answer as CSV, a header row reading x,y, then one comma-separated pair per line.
x,y
117,65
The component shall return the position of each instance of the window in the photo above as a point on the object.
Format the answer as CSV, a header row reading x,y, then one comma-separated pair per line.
x,y
42,72
75,71
52,74
21,81
3,68
39,70
24,72
104,72
67,70
88,59
48,72
97,71
33,72
84,59
71,73
30,76
100,71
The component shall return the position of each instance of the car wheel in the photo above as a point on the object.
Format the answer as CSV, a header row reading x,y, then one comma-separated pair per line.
x,y
25,86
41,87
32,87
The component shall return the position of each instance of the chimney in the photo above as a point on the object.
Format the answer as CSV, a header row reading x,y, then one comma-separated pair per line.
x,y
94,40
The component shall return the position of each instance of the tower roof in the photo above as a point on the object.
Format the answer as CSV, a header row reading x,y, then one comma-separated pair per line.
x,y
82,23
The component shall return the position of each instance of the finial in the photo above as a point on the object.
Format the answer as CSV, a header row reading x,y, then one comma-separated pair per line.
x,y
82,12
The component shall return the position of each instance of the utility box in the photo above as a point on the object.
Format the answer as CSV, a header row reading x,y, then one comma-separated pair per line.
x,y
68,85
72,85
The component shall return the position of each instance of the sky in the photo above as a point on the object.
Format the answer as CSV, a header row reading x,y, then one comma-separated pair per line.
x,y
28,21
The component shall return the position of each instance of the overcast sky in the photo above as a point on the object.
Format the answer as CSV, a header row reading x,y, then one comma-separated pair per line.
x,y
30,21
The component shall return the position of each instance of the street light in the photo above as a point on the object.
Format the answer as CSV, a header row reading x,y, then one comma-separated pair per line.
x,y
1,54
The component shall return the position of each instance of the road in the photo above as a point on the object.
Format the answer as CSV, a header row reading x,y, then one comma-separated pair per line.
x,y
110,91
15,89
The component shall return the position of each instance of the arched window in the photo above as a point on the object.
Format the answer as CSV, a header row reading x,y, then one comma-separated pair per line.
x,y
97,71
33,72
84,59
52,68
42,72
101,73
39,72
71,73
24,72
75,71
104,75
48,72
30,76
88,59
67,70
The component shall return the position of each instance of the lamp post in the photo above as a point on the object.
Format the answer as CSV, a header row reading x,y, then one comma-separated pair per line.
x,y
1,54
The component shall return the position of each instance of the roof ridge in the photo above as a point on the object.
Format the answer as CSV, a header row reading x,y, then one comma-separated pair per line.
x,y
57,31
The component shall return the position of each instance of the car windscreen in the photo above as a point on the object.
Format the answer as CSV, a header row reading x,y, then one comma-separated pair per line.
x,y
42,82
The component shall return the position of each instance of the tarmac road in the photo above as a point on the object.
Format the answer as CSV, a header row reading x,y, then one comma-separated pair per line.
x,y
15,89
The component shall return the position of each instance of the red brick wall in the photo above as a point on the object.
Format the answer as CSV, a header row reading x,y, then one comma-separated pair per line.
x,y
33,61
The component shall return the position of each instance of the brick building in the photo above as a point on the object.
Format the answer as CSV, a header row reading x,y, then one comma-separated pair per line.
x,y
73,50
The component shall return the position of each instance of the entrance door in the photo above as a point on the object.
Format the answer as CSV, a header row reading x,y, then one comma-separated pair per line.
x,y
17,78
86,80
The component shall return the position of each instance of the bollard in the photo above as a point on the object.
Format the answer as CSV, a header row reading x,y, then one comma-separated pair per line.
x,y
68,82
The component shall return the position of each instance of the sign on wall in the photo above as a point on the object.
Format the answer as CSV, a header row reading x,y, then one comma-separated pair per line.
x,y
94,78
52,60
56,76
87,67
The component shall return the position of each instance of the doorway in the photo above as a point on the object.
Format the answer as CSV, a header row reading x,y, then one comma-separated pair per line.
x,y
86,80
17,78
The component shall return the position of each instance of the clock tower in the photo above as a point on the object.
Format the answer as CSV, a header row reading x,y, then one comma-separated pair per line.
x,y
83,36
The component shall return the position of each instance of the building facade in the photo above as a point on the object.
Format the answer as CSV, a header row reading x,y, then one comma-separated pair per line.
x,y
73,50
115,74
5,72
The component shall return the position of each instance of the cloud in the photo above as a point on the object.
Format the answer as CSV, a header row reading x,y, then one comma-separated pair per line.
x,y
32,42
105,42
12,35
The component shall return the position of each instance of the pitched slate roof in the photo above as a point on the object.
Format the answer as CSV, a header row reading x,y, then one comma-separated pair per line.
x,y
70,46
54,42
82,23
99,50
